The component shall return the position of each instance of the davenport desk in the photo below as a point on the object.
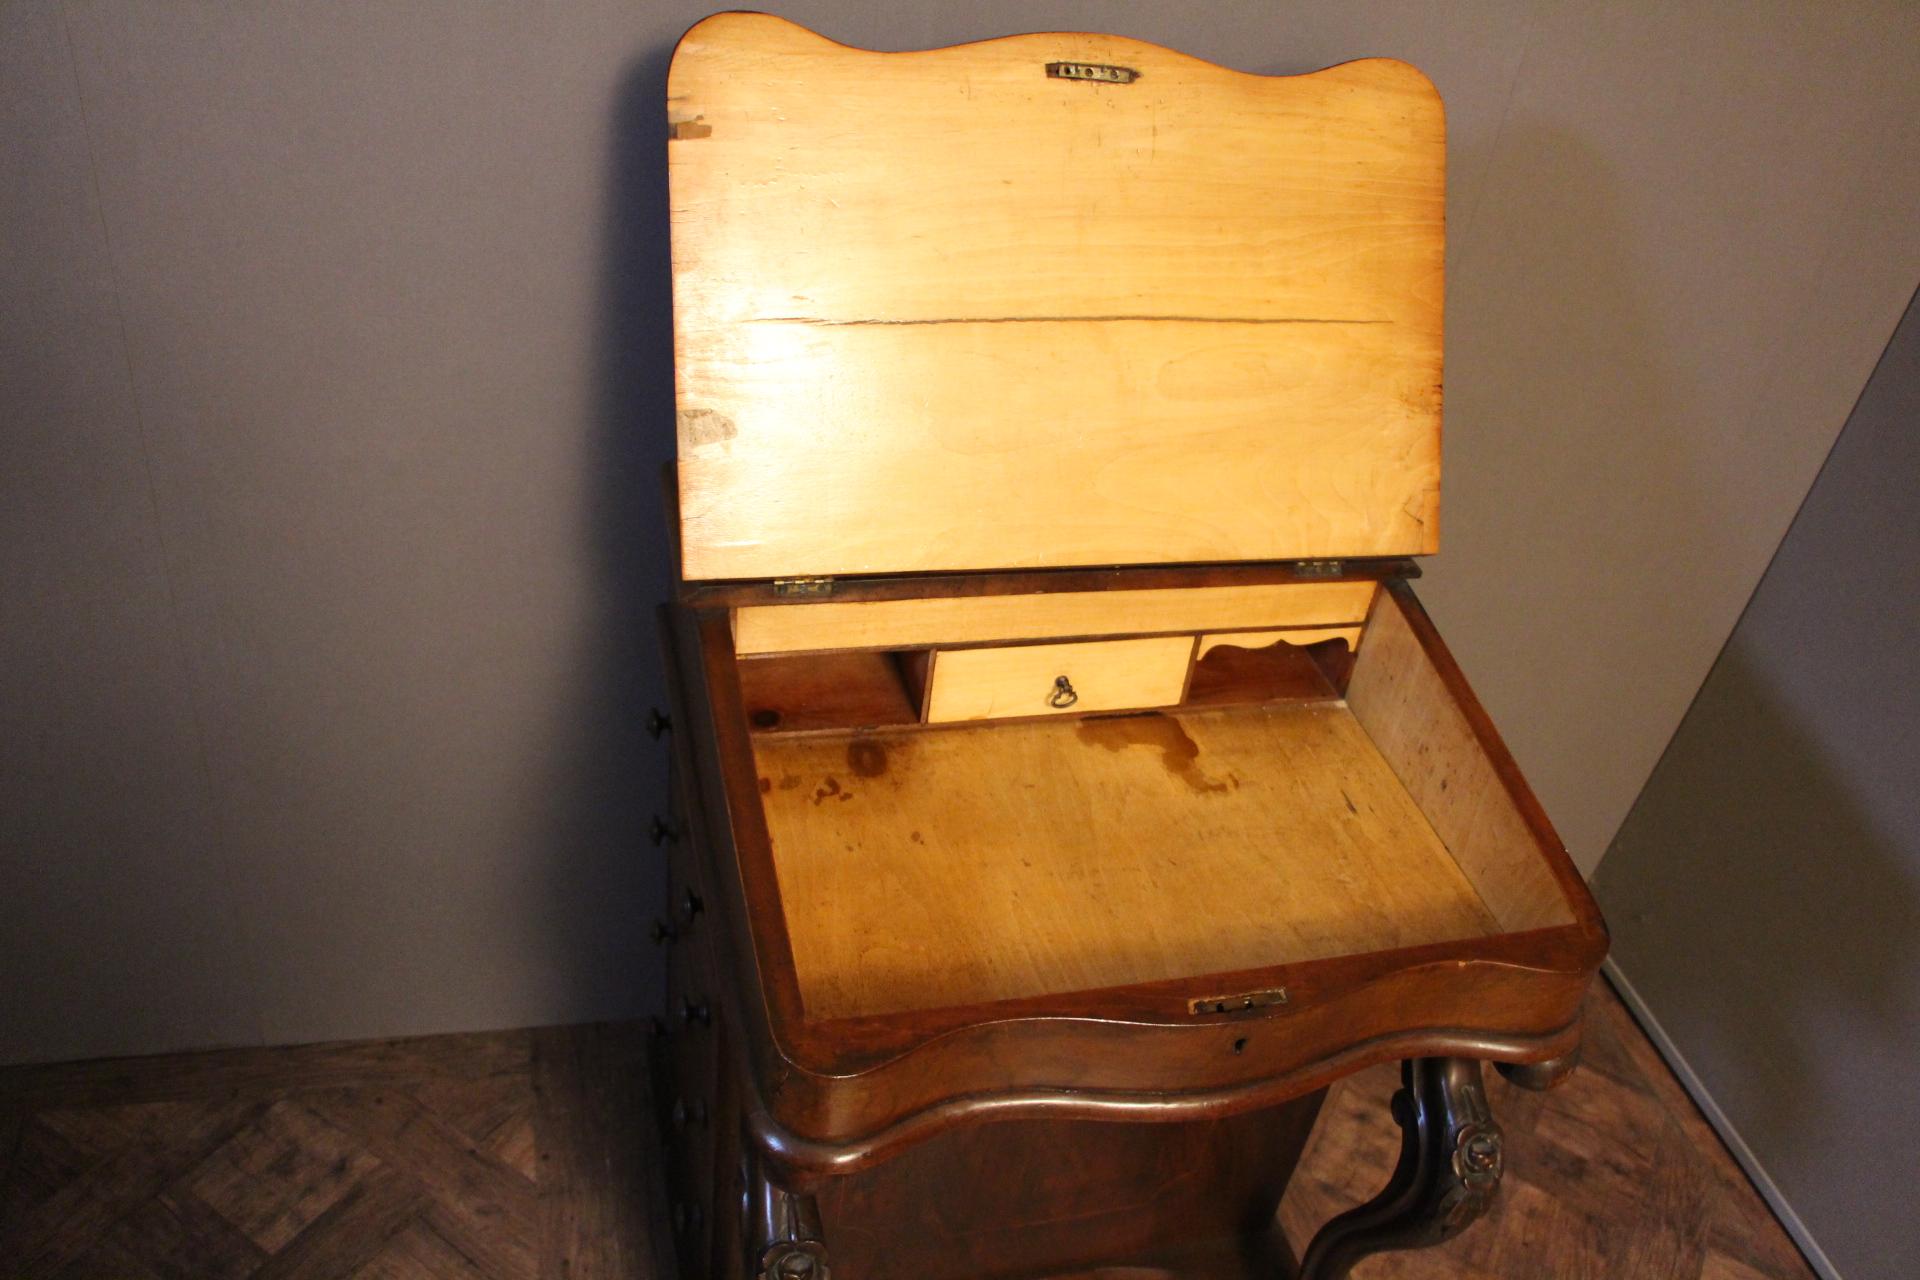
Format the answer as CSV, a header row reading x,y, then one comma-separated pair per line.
x,y
1068,785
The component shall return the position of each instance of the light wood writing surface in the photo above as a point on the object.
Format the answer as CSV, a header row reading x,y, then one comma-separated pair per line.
x,y
944,310
1403,704
1104,675
944,866
888,624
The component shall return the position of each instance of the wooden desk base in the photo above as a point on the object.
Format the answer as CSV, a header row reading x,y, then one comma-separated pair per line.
x,y
1085,1200
1031,1197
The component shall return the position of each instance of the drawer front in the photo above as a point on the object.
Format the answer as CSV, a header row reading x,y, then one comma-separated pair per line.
x,y
1100,675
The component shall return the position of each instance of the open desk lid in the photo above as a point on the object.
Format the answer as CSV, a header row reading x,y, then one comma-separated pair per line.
x,y
1048,300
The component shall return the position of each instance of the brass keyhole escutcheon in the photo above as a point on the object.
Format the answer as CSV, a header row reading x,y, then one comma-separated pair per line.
x,y
1063,694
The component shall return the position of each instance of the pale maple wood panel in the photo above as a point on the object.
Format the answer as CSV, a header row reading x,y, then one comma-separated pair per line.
x,y
1261,639
1193,317
894,449
954,865
889,624
1400,699
835,182
1105,675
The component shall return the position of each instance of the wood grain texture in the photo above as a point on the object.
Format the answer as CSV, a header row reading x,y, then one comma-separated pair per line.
x,y
954,620
1102,675
973,864
942,311
1416,722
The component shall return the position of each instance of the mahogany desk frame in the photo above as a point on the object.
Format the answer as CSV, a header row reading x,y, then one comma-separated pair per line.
x,y
782,1129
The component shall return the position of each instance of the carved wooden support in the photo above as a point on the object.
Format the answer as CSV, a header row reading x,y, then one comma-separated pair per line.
x,y
784,1240
1540,1076
1449,1171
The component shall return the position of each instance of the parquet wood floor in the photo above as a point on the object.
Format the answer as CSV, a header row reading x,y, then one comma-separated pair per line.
x,y
1613,1176
530,1154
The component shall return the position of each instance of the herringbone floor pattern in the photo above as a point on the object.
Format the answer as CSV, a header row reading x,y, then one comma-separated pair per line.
x,y
481,1157
527,1155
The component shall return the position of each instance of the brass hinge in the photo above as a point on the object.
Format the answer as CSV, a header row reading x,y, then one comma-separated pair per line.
x,y
1319,568
1233,1004
803,586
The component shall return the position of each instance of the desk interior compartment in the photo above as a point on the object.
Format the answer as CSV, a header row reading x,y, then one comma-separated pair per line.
x,y
936,865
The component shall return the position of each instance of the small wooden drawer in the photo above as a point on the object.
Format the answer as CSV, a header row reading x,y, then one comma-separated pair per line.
x,y
1056,679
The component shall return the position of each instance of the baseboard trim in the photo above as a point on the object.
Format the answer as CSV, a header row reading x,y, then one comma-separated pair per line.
x,y
1743,1154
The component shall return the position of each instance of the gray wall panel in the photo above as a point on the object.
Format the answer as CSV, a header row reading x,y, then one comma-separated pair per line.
x,y
1765,891
119,928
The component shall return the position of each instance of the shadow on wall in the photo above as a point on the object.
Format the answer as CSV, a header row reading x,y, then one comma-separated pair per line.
x,y
611,776
1750,848
1574,462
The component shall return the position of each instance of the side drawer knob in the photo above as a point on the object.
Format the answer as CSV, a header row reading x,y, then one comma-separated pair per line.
x,y
662,932
692,1011
691,906
658,722
799,1266
661,831
685,1113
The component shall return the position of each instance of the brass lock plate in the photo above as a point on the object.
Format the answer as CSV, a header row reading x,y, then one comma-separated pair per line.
x,y
1237,1003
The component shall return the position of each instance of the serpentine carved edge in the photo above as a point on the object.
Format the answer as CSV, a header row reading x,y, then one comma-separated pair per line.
x,y
801,1160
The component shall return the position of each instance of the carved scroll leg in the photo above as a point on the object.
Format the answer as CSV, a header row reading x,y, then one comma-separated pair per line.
x,y
1449,1170
783,1229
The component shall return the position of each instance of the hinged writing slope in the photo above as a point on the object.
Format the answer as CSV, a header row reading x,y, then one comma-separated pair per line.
x,y
1048,300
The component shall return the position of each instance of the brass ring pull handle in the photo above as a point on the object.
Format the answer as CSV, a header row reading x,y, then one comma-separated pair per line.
x,y
1063,694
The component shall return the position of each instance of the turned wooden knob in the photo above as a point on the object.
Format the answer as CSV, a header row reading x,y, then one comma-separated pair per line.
x,y
658,722
794,1260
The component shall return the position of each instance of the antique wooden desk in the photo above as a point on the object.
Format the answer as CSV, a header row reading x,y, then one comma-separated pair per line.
x,y
1068,784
